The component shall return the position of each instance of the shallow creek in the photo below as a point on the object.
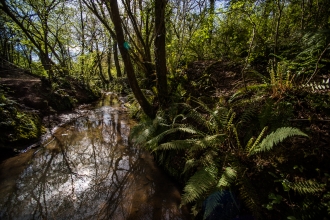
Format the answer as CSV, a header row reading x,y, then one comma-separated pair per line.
x,y
88,170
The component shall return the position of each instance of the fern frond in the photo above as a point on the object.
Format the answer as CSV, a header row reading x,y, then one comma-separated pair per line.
x,y
154,141
230,121
319,86
200,183
222,115
189,164
147,130
176,145
197,116
233,128
307,187
227,178
276,137
218,119
249,113
250,197
142,132
258,139
249,144
253,88
209,141
202,104
209,158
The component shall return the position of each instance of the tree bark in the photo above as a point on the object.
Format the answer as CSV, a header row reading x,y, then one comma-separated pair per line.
x,y
145,105
115,57
109,60
160,52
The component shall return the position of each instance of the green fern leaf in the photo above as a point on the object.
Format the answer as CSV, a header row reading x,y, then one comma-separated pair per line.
x,y
196,116
200,183
189,165
154,141
306,187
250,197
176,145
208,141
276,137
227,178
258,140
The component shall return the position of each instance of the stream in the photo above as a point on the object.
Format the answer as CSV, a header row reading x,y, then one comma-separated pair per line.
x,y
88,170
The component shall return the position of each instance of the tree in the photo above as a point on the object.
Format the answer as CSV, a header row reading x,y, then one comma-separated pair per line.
x,y
160,52
145,105
43,29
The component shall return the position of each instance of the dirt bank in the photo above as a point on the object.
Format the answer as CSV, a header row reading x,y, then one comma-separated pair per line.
x,y
25,99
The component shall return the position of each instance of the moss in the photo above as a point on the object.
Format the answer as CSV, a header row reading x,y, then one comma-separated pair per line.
x,y
17,125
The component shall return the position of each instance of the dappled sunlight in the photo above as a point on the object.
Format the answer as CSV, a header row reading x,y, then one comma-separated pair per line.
x,y
88,171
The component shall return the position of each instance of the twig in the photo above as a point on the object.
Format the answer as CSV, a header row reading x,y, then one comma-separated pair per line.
x,y
317,64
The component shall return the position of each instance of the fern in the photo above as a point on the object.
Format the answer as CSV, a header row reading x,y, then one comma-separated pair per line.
x,y
250,196
208,141
227,178
248,115
249,144
147,130
189,165
196,116
184,129
176,145
252,148
276,137
307,187
199,184
324,85
252,88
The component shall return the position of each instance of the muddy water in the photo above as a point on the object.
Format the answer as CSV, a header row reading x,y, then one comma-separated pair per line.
x,y
88,170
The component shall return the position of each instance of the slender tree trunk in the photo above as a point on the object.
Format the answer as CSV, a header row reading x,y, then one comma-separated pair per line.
x,y
145,105
109,60
99,64
212,8
160,52
115,57
82,60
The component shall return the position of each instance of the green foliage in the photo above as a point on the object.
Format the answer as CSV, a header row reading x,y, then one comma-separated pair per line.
x,y
306,187
199,184
274,138
214,154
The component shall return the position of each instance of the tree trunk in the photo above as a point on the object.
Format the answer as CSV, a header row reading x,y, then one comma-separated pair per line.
x,y
160,52
109,60
145,105
115,57
105,82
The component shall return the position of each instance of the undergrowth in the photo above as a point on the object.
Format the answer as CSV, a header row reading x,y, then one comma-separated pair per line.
x,y
246,156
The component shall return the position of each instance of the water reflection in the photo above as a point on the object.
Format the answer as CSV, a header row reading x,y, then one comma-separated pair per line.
x,y
88,171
